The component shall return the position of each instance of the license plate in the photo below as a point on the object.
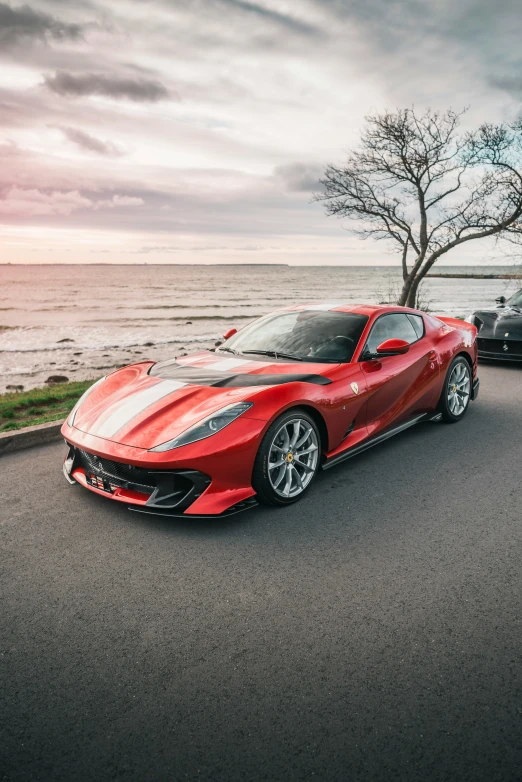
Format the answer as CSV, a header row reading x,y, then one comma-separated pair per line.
x,y
99,483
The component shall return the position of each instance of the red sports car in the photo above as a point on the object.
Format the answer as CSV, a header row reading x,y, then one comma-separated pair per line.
x,y
255,419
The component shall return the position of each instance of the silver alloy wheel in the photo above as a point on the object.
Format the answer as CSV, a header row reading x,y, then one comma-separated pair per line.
x,y
292,457
459,385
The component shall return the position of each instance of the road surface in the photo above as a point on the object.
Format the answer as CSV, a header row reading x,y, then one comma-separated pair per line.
x,y
372,631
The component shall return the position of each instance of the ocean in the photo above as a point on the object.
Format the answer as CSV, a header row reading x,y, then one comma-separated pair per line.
x,y
83,321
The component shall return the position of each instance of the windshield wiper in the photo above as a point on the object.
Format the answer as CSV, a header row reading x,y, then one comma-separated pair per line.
x,y
228,350
275,354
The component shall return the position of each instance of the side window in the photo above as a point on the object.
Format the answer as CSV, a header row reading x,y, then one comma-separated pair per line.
x,y
393,326
418,324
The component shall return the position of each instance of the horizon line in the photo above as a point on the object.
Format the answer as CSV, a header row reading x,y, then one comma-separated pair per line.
x,y
275,265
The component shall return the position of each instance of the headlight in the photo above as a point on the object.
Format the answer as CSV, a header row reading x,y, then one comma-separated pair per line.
x,y
72,414
470,319
209,426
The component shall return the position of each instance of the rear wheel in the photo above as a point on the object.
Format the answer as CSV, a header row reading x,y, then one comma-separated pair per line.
x,y
287,460
456,391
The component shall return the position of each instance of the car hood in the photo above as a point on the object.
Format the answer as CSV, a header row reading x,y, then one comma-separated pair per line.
x,y
501,323
144,405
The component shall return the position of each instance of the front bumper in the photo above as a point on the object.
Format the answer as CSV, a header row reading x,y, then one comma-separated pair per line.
x,y
154,489
500,349
209,478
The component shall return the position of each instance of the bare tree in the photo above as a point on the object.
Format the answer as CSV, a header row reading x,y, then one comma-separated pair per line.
x,y
420,183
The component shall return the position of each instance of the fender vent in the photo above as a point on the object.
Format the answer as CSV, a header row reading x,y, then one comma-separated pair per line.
x,y
350,430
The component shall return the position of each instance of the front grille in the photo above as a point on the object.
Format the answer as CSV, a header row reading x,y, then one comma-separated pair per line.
x,y
118,474
167,489
497,346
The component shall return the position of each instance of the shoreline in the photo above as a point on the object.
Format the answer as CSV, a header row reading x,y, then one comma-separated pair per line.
x,y
80,364
462,276
91,324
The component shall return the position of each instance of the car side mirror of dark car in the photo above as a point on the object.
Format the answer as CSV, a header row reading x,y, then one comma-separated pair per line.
x,y
501,300
229,333
393,347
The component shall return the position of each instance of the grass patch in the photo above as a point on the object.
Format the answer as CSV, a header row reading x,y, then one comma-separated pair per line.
x,y
40,405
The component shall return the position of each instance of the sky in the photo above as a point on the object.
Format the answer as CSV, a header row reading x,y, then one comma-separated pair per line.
x,y
195,131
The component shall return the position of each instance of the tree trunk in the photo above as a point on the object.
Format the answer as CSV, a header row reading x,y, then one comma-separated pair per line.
x,y
408,296
404,261
403,298
411,280
411,300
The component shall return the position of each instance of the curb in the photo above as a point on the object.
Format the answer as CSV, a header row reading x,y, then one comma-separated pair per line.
x,y
30,436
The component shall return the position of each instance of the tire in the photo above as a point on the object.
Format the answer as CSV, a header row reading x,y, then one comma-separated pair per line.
x,y
456,391
283,473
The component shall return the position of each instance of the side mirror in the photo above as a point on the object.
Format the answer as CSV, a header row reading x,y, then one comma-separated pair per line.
x,y
229,333
393,347
501,300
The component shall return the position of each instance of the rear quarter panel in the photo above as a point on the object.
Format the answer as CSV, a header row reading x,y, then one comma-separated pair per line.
x,y
451,337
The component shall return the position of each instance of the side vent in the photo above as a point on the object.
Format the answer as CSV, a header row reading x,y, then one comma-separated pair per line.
x,y
350,430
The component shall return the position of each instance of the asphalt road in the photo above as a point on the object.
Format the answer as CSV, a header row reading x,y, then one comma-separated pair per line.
x,y
372,631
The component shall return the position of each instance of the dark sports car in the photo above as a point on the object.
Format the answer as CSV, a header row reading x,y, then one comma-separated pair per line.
x,y
294,391
500,330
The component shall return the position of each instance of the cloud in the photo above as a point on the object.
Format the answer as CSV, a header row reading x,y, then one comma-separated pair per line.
x,y
118,201
512,84
20,202
272,90
22,23
32,202
264,12
77,85
300,177
90,143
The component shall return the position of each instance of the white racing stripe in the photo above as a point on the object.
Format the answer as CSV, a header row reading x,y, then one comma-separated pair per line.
x,y
133,406
192,359
228,363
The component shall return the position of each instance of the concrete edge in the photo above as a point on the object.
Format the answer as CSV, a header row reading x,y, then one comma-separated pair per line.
x,y
19,439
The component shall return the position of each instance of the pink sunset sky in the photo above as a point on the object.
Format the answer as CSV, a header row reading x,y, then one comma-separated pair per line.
x,y
194,131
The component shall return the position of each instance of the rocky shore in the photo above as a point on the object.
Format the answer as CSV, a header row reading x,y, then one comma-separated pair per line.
x,y
70,364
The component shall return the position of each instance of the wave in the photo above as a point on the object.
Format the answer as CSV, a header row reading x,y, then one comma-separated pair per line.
x,y
114,346
182,320
192,307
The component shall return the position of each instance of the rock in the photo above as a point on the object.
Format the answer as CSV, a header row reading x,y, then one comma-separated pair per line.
x,y
138,352
52,363
105,355
182,354
65,339
14,388
77,354
188,323
57,379
218,343
149,344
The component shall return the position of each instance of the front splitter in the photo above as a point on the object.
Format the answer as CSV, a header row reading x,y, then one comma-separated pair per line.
x,y
251,502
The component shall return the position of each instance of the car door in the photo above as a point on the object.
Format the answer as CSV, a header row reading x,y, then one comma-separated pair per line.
x,y
402,385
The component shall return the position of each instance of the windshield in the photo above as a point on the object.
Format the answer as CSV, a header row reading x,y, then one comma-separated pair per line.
x,y
516,299
308,335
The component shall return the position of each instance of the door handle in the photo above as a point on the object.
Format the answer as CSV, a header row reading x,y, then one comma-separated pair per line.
x,y
432,355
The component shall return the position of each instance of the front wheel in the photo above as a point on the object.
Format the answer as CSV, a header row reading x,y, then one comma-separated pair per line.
x,y
456,391
287,460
